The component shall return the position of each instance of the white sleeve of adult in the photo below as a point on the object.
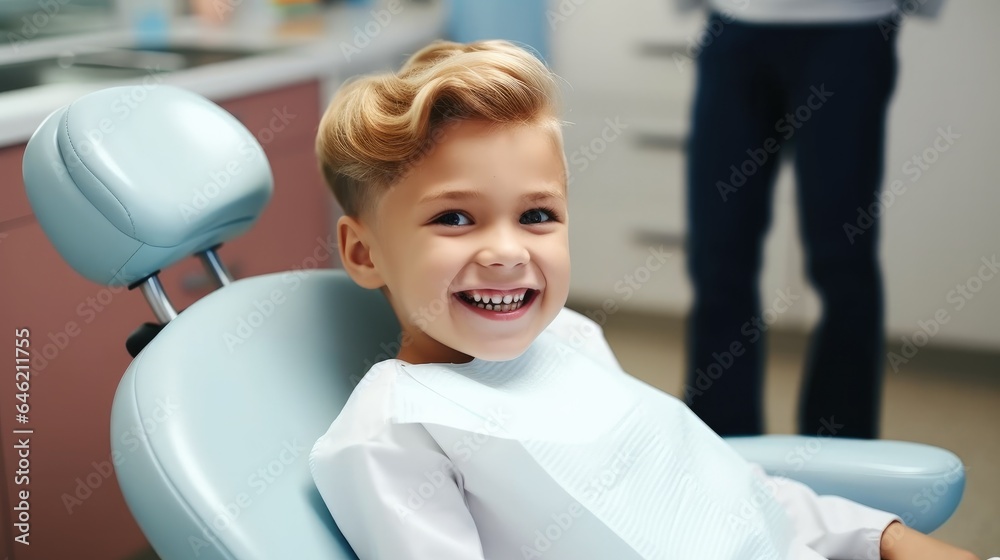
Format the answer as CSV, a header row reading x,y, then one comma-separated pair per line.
x,y
833,526
396,496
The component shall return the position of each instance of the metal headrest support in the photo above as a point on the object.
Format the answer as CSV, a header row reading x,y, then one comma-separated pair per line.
x,y
128,180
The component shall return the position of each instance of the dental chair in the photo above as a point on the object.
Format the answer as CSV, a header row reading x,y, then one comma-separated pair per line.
x,y
232,392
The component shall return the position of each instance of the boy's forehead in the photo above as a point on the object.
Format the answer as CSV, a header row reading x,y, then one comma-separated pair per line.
x,y
476,146
462,151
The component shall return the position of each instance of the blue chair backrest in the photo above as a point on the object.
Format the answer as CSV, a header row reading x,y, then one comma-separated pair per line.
x,y
228,400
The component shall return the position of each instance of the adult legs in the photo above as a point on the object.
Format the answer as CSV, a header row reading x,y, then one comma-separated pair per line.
x,y
732,160
841,100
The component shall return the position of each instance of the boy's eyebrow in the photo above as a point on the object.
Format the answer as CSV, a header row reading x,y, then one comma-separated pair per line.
x,y
467,195
541,195
450,195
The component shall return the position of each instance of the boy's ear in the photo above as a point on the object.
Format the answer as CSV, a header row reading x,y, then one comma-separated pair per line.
x,y
353,239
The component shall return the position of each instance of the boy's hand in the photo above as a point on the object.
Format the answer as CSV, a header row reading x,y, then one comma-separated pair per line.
x,y
900,542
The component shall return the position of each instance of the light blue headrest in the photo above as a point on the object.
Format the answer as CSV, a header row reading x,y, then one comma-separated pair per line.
x,y
128,180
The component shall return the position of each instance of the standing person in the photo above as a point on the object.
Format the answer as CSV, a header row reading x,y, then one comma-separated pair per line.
x,y
817,75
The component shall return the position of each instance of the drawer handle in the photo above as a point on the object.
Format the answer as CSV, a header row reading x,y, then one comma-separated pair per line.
x,y
660,141
656,49
655,238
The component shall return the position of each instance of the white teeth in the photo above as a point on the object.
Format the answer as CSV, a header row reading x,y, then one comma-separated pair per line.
x,y
502,308
496,302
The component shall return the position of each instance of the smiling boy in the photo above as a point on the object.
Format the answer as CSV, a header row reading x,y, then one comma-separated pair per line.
x,y
480,226
505,427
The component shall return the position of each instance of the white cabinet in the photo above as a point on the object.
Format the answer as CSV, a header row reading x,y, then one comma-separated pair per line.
x,y
627,63
626,102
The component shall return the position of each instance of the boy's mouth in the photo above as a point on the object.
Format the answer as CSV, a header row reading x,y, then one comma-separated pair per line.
x,y
498,301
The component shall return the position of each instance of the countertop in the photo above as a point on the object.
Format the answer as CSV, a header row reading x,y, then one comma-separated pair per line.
x,y
350,40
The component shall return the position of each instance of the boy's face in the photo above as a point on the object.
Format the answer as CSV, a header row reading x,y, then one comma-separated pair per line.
x,y
472,244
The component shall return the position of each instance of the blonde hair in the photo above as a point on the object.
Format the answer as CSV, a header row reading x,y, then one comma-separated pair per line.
x,y
377,127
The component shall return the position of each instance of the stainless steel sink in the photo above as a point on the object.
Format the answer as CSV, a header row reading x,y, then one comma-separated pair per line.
x,y
113,65
193,56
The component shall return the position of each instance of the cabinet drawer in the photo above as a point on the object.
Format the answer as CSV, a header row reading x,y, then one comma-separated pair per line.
x,y
628,51
612,267
636,178
627,208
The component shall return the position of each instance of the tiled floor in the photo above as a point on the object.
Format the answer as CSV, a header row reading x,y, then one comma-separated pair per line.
x,y
945,398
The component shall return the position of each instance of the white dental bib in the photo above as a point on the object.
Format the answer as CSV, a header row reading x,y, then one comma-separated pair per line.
x,y
566,457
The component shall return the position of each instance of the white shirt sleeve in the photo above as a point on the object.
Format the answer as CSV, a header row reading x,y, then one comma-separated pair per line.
x,y
396,496
834,527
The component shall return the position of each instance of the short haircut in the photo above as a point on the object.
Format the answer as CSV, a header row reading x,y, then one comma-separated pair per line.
x,y
378,127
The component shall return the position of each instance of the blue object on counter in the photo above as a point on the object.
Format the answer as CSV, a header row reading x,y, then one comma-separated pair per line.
x,y
151,29
149,20
519,21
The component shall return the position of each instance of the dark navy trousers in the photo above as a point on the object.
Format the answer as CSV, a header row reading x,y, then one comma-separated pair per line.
x,y
818,94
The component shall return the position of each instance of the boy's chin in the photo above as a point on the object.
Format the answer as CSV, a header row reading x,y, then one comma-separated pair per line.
x,y
498,354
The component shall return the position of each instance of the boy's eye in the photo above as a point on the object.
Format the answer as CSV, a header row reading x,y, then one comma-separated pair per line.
x,y
537,216
453,219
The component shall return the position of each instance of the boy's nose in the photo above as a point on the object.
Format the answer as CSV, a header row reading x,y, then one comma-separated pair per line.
x,y
503,248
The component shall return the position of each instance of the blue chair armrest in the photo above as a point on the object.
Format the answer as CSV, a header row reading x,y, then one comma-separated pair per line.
x,y
920,483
